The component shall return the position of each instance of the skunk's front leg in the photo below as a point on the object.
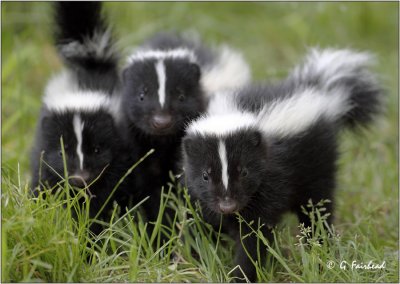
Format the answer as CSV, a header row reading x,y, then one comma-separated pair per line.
x,y
248,241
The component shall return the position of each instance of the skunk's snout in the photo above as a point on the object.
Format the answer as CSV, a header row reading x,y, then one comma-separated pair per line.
x,y
161,121
228,205
80,178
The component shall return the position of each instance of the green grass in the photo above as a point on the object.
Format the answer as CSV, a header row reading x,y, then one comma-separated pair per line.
x,y
41,241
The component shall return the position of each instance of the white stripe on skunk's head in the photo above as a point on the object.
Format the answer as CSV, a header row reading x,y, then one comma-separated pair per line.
x,y
291,116
178,53
162,78
78,125
222,125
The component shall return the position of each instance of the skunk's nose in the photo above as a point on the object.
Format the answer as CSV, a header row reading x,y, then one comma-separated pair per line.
x,y
161,121
228,205
80,178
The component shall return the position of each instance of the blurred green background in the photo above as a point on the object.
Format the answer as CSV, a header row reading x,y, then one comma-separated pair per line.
x,y
273,37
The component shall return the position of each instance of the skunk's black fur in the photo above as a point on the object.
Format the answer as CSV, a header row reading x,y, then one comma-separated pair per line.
x,y
79,106
263,151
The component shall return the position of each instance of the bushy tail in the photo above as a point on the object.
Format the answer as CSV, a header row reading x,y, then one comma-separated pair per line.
x,y
345,73
85,43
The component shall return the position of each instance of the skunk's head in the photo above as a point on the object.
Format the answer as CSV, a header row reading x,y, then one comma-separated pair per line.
x,y
161,92
90,140
225,172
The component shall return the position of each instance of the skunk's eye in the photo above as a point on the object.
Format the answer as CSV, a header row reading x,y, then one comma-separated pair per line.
x,y
181,94
142,93
60,153
141,96
96,150
65,149
205,176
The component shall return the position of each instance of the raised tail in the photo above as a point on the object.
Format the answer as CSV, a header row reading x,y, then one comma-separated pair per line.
x,y
346,73
85,42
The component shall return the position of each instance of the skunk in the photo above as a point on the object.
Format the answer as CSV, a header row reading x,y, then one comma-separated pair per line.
x,y
166,83
261,151
81,106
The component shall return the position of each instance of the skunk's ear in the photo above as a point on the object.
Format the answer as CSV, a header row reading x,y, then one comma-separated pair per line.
x,y
194,147
255,138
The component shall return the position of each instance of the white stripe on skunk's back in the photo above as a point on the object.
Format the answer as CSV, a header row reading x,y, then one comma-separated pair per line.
x,y
77,101
296,114
62,93
222,125
223,117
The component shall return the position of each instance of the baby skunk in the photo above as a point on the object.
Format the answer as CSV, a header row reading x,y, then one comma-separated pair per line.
x,y
164,87
79,107
263,151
